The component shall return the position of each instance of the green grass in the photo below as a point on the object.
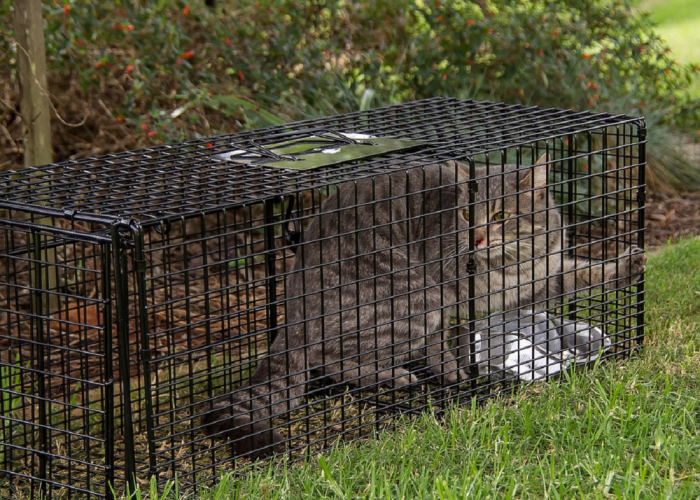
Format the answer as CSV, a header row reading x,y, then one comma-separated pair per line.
x,y
679,24
625,429
672,11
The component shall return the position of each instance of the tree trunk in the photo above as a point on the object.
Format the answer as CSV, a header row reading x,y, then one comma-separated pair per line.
x,y
35,112
34,105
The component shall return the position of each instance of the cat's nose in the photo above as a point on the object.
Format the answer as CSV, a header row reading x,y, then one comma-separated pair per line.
x,y
478,240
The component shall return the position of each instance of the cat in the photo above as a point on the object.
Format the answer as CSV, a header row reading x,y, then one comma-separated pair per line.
x,y
384,266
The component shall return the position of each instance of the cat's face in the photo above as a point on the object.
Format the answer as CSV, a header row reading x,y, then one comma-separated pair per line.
x,y
512,212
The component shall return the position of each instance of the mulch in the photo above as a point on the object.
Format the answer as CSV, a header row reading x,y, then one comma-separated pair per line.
x,y
670,217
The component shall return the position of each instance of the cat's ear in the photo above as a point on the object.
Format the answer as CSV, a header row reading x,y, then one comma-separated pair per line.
x,y
536,177
461,168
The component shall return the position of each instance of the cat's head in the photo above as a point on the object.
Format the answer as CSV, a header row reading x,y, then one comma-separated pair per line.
x,y
513,212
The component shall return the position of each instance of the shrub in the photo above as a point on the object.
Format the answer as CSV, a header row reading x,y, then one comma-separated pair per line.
x,y
167,71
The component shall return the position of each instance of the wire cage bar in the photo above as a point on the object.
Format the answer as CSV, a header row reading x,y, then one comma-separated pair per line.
x,y
183,309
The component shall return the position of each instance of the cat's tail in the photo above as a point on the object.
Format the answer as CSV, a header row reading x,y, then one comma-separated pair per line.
x,y
244,416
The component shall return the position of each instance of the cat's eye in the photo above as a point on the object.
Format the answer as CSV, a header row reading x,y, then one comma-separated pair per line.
x,y
465,212
499,216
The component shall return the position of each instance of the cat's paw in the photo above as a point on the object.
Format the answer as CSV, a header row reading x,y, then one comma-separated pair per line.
x,y
401,378
454,377
630,267
252,439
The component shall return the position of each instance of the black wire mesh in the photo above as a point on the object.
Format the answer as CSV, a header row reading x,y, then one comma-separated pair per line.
x,y
182,309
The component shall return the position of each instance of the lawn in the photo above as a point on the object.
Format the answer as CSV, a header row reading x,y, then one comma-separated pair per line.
x,y
679,24
625,429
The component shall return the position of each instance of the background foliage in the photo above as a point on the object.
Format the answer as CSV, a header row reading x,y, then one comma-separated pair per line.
x,y
128,74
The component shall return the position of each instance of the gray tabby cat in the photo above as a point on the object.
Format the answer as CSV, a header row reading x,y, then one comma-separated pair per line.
x,y
383,268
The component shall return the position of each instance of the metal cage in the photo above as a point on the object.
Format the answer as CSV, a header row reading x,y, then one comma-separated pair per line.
x,y
181,309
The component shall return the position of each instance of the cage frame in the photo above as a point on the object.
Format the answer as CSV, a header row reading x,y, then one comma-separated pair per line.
x,y
121,234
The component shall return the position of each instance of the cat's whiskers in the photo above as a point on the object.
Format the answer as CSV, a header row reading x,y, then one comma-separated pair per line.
x,y
450,250
509,255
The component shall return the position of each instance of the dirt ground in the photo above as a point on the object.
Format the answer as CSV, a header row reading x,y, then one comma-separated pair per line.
x,y
671,217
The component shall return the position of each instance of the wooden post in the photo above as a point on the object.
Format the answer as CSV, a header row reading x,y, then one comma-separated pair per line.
x,y
34,105
36,118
